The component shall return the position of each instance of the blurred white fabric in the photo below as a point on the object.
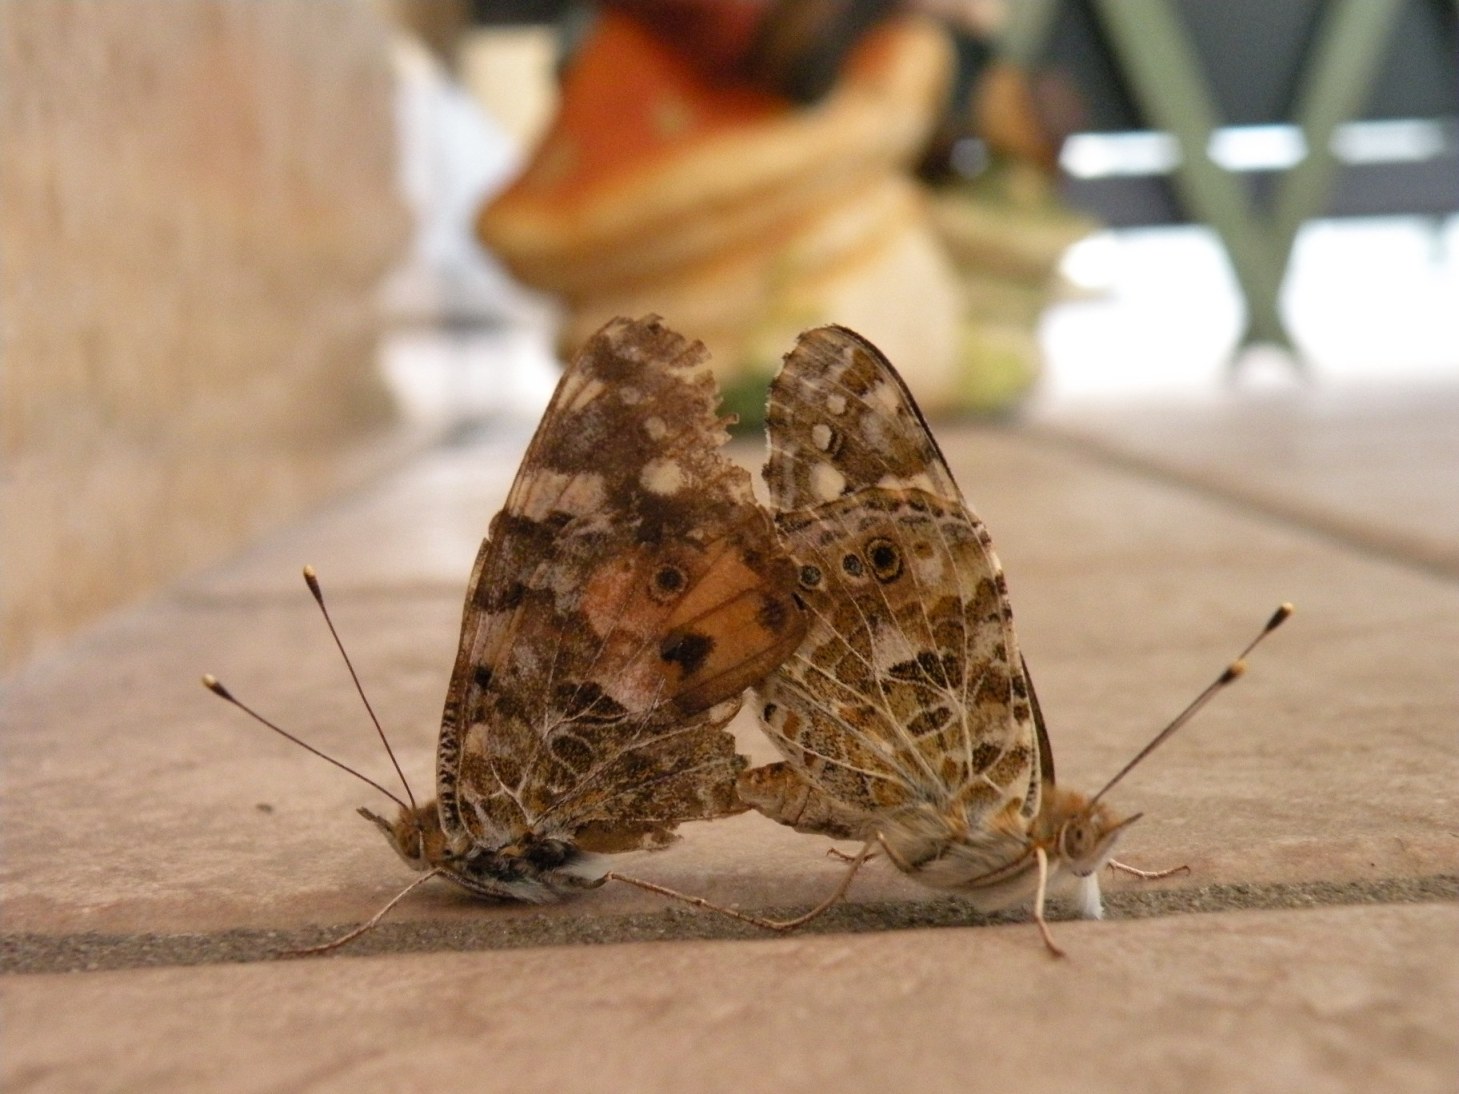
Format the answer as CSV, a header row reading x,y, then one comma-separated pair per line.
x,y
452,158
464,342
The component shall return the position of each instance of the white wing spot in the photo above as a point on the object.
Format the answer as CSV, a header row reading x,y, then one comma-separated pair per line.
x,y
885,398
586,392
655,428
836,404
821,436
827,482
628,396
563,491
661,477
920,481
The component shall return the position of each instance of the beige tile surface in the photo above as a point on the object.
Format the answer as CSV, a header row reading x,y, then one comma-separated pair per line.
x,y
139,802
146,823
415,530
1375,466
1335,999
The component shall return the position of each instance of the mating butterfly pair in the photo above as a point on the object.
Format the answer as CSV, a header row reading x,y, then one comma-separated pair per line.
x,y
631,590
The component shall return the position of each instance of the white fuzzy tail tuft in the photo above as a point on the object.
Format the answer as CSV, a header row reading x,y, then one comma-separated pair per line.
x,y
1087,899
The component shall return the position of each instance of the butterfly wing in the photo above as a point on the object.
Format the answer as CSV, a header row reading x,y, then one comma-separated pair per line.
x,y
840,419
908,691
625,597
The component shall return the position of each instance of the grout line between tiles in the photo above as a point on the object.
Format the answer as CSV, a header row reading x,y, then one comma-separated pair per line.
x,y
32,952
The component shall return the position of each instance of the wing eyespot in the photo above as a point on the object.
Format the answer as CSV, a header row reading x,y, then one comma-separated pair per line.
x,y
667,582
885,559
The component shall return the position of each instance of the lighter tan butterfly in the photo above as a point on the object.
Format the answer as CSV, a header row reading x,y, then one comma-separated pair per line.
x,y
907,719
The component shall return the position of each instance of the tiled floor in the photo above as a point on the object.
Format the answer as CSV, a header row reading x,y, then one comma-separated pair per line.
x,y
159,840
146,824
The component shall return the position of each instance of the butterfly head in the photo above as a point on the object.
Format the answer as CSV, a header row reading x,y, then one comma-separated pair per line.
x,y
415,834
1079,833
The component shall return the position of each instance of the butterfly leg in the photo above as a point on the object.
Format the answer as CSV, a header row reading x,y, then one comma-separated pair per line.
x,y
1038,902
745,917
861,857
1145,875
842,856
696,901
369,925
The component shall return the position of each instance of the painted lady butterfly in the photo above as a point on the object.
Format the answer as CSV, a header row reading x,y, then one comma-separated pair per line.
x,y
907,719
625,597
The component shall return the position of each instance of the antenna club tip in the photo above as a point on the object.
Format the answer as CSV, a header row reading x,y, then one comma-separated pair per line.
x,y
212,683
1233,670
1281,615
312,581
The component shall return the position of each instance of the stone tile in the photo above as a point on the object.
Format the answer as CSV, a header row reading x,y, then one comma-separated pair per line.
x,y
416,529
137,802
1372,466
1333,999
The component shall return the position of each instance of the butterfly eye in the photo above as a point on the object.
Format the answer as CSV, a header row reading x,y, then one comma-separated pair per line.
x,y
810,576
885,559
668,582
1074,841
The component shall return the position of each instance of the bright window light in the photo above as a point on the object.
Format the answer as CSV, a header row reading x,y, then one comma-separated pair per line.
x,y
1255,148
1102,155
1404,140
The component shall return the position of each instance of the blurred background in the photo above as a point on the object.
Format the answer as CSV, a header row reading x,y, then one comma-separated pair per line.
x,y
252,254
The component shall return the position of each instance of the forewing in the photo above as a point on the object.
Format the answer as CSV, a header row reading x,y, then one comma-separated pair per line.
x,y
627,594
840,419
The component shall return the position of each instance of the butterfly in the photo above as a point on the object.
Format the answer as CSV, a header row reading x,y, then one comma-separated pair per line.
x,y
626,595
907,718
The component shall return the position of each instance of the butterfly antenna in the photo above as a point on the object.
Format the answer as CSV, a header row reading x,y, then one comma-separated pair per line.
x,y
213,684
312,580
1232,672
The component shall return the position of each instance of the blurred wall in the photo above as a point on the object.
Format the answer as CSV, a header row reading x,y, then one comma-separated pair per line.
x,y
197,201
